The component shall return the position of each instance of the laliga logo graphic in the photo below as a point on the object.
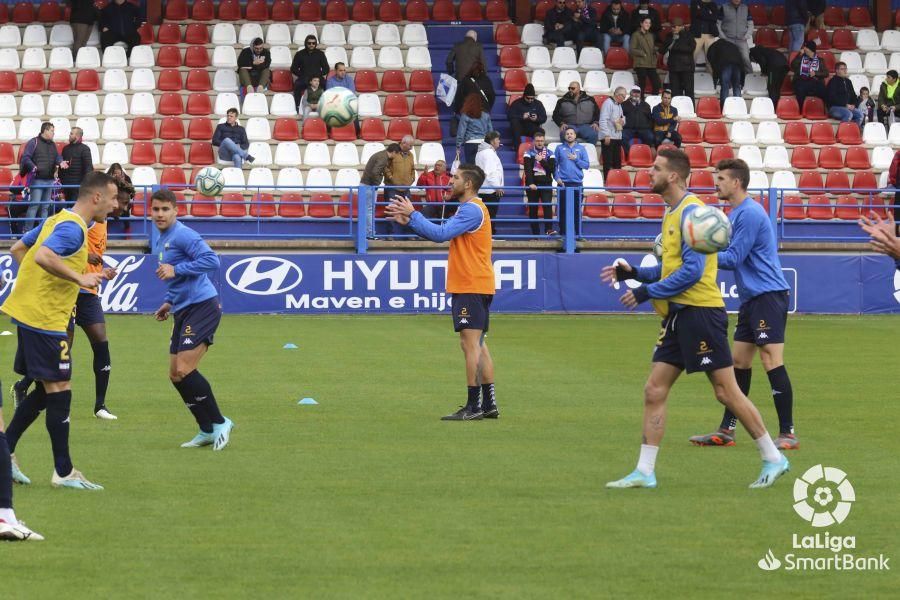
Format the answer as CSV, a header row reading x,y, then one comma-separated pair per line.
x,y
263,276
769,562
7,278
823,496
117,295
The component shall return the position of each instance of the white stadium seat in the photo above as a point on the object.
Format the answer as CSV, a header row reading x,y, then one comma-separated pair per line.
x,y
144,177
61,35
223,35
34,59
258,130
142,104
769,132
224,57
7,130
543,81
591,58
860,81
387,34
61,129
867,40
234,177
287,154
593,159
95,152
742,133
362,57
564,58
255,105
88,105
755,85
890,40
94,39
59,105
114,80
89,126
784,180
319,177
538,57
894,135
88,58
735,108
115,129
249,32
332,35
533,34
684,106
360,34
31,105
278,34
703,84
289,177
414,34
8,106
758,180
893,63
593,179
595,82
368,150
883,180
9,59
346,178
430,153
225,80
882,156
61,58
549,102
565,78
418,58
142,80
776,158
751,155
368,105
301,31
853,60
224,101
115,152
876,84
873,134
336,54
316,155
876,63
29,127
261,178
623,79
10,36
281,57
283,105
114,58
142,57
35,36
346,155
761,109
261,153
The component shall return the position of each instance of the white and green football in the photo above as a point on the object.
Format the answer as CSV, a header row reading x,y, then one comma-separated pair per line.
x,y
706,229
210,181
338,106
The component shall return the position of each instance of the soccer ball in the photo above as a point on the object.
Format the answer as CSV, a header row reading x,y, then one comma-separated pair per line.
x,y
338,106
210,181
706,229
657,246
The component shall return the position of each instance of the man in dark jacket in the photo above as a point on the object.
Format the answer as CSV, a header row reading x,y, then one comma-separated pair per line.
x,y
809,73
119,22
614,26
253,66
82,19
232,140
39,162
464,55
80,162
796,18
679,52
638,123
704,25
308,62
727,64
540,165
526,115
579,111
559,25
841,97
643,11
774,66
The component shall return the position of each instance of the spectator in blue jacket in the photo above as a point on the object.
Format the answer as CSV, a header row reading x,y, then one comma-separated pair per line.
x,y
340,78
571,161
232,140
474,124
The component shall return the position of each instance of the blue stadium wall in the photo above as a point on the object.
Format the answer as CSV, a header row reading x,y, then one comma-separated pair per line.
x,y
527,283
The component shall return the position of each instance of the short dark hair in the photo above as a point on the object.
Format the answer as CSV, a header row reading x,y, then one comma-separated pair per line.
x,y
257,42
393,148
165,195
338,64
46,125
94,182
863,88
490,136
838,65
892,73
231,110
677,161
664,92
539,132
739,170
473,174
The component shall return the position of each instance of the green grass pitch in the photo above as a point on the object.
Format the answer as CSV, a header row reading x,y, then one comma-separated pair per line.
x,y
370,495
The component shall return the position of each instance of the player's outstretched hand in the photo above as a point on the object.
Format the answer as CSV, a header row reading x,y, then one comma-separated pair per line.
x,y
399,209
165,271
162,313
628,300
90,281
616,272
882,232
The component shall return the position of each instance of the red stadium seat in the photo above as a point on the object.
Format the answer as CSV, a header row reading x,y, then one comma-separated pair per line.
x,y
843,39
321,206
522,149
262,206
363,11
170,56
204,206
229,10
199,105
87,80
257,10
291,206
803,157
32,81
515,80
697,156
788,109
640,155
837,181
202,10
195,57
173,176
864,180
767,37
428,130
144,128
314,130
7,155
642,181
759,14
421,81
283,82
821,134
709,108
793,208
372,130
701,181
690,132
425,106
507,34
336,11
395,105
680,11
795,134
857,158
310,10
9,83
443,10
23,13
618,59
169,80
715,132
176,10
196,34
777,16
847,208
171,104
849,135
820,208
397,128
347,133
347,207
286,130
496,11
198,81
145,31
834,17
169,33
49,12
417,11
720,152
897,18
233,205
596,206
652,206
143,153
366,81
618,180
139,206
172,153
469,10
860,17
199,128
541,8
511,57
171,128
821,37
389,11
829,60
810,180
393,81
624,206
201,153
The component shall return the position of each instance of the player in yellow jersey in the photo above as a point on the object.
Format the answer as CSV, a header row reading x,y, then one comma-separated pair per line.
x,y
52,263
470,281
694,336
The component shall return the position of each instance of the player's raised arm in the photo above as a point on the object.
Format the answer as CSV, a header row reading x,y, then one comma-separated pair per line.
x,y
467,218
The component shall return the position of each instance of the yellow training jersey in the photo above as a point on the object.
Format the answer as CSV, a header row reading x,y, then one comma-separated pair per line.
x,y
469,267
96,244
706,291
40,300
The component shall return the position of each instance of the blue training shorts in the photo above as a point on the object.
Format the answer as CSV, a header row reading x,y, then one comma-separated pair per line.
x,y
763,320
195,325
695,338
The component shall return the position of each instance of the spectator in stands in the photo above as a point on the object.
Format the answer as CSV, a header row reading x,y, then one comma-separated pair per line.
x,y
578,110
559,25
125,198
727,64
584,20
119,22
638,122
399,176
840,97
377,164
474,124
308,62
464,55
489,161
309,102
82,19
888,98
253,66
665,121
736,26
475,82
679,51
774,66
643,11
614,27
797,19
526,115
571,162
340,78
644,56
438,182
612,121
817,13
704,25
78,156
39,162
231,138
809,73
122,179
866,105
540,166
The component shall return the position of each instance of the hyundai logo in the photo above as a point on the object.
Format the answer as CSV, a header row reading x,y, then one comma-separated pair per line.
x,y
263,275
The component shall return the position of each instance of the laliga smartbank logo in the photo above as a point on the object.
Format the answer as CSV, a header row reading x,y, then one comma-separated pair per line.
x,y
823,497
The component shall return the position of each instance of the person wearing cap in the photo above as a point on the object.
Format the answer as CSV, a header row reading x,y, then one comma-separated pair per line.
x,y
489,162
678,50
526,115
253,66
736,26
727,64
638,122
571,162
578,110
809,74
644,56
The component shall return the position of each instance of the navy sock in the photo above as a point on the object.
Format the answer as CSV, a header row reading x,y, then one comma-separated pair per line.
x,y
474,396
102,366
783,395
26,414
24,383
58,404
202,394
729,421
197,409
487,394
5,474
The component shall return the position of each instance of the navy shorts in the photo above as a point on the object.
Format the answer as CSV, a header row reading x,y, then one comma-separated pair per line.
x,y
88,311
695,338
195,325
43,356
762,320
471,311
